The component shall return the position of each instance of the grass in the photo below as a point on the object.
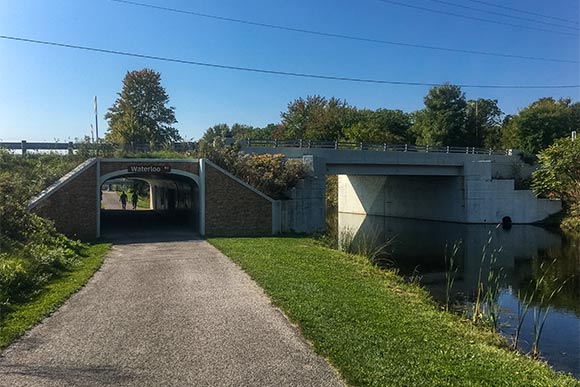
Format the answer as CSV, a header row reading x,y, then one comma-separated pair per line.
x,y
373,327
144,202
21,317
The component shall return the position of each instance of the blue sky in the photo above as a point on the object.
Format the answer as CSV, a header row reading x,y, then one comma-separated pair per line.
x,y
46,93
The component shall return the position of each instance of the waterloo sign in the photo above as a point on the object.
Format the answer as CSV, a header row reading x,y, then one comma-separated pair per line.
x,y
149,168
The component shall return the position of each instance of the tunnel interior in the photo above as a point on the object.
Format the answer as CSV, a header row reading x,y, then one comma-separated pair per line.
x,y
167,201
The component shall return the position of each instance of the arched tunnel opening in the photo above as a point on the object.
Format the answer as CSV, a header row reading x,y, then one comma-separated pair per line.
x,y
152,202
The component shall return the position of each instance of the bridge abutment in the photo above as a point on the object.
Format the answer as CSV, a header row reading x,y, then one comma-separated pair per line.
x,y
460,186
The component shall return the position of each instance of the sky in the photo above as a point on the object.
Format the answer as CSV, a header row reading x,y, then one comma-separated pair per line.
x,y
47,92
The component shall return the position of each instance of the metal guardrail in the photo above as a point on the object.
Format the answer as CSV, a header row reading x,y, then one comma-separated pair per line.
x,y
372,147
25,146
70,146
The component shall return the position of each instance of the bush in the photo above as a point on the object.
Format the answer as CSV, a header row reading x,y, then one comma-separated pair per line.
x,y
32,252
271,174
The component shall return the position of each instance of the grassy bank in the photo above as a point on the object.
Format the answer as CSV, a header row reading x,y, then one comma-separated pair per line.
x,y
376,329
19,317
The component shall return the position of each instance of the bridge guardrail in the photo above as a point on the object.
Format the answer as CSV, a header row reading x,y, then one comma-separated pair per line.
x,y
184,146
343,145
70,146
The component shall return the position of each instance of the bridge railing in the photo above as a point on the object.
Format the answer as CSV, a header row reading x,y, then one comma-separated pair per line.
x,y
371,146
71,147
25,146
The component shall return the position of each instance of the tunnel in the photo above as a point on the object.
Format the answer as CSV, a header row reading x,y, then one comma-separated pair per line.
x,y
165,201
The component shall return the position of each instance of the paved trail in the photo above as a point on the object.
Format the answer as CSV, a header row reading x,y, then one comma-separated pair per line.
x,y
110,201
165,313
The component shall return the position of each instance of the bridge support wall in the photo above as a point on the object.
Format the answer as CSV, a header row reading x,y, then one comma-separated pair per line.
x,y
475,197
72,202
429,197
305,209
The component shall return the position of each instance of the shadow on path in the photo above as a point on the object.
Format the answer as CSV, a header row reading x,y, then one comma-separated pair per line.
x,y
125,227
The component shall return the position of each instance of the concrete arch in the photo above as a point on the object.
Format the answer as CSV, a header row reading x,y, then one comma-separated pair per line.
x,y
124,172
177,172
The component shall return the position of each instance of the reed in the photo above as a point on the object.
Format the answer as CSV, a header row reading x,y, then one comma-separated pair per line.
x,y
450,271
492,290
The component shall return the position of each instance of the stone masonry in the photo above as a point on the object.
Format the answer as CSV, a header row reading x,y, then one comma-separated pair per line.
x,y
73,207
232,209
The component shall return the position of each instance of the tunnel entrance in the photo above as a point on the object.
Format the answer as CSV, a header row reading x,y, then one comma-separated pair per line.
x,y
152,203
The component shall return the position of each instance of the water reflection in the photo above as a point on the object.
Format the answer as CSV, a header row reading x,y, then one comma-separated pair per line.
x,y
524,253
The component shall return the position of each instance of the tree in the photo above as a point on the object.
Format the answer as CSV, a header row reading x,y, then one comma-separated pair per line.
x,y
379,126
442,121
484,122
536,127
316,118
216,131
140,115
559,175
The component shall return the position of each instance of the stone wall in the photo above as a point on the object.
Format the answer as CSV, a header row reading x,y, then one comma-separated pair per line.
x,y
73,206
233,209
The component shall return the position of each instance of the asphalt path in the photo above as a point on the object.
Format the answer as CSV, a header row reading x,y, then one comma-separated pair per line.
x,y
165,309
110,201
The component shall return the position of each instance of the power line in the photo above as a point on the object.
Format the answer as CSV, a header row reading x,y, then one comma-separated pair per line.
x,y
347,37
523,11
475,18
500,14
278,72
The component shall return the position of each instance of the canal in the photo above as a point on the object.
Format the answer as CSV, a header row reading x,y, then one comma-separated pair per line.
x,y
529,265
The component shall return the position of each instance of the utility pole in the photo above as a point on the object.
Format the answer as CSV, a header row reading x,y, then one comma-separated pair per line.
x,y
96,120
476,125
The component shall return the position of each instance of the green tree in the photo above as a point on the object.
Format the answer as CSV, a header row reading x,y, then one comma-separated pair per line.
x,y
140,115
559,173
268,132
537,126
380,126
442,121
484,122
216,131
316,118
559,176
237,131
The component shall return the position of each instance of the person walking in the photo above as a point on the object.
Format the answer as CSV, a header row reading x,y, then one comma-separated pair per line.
x,y
134,200
123,200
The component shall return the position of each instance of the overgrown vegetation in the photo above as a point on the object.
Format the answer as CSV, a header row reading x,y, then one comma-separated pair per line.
x,y
272,174
377,329
19,317
32,253
559,176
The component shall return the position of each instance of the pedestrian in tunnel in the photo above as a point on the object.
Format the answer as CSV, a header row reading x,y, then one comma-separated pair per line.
x,y
123,200
134,200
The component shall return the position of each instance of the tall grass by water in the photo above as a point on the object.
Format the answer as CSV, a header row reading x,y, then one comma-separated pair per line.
x,y
373,326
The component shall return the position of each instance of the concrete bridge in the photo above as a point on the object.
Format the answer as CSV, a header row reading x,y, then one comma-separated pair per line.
x,y
453,184
194,193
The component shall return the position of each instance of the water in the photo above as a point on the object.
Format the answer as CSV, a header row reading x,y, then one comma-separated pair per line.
x,y
524,253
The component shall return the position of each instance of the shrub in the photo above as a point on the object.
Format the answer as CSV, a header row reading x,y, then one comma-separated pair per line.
x,y
271,174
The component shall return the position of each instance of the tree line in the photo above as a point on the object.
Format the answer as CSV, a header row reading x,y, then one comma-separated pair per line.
x,y
140,115
448,118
